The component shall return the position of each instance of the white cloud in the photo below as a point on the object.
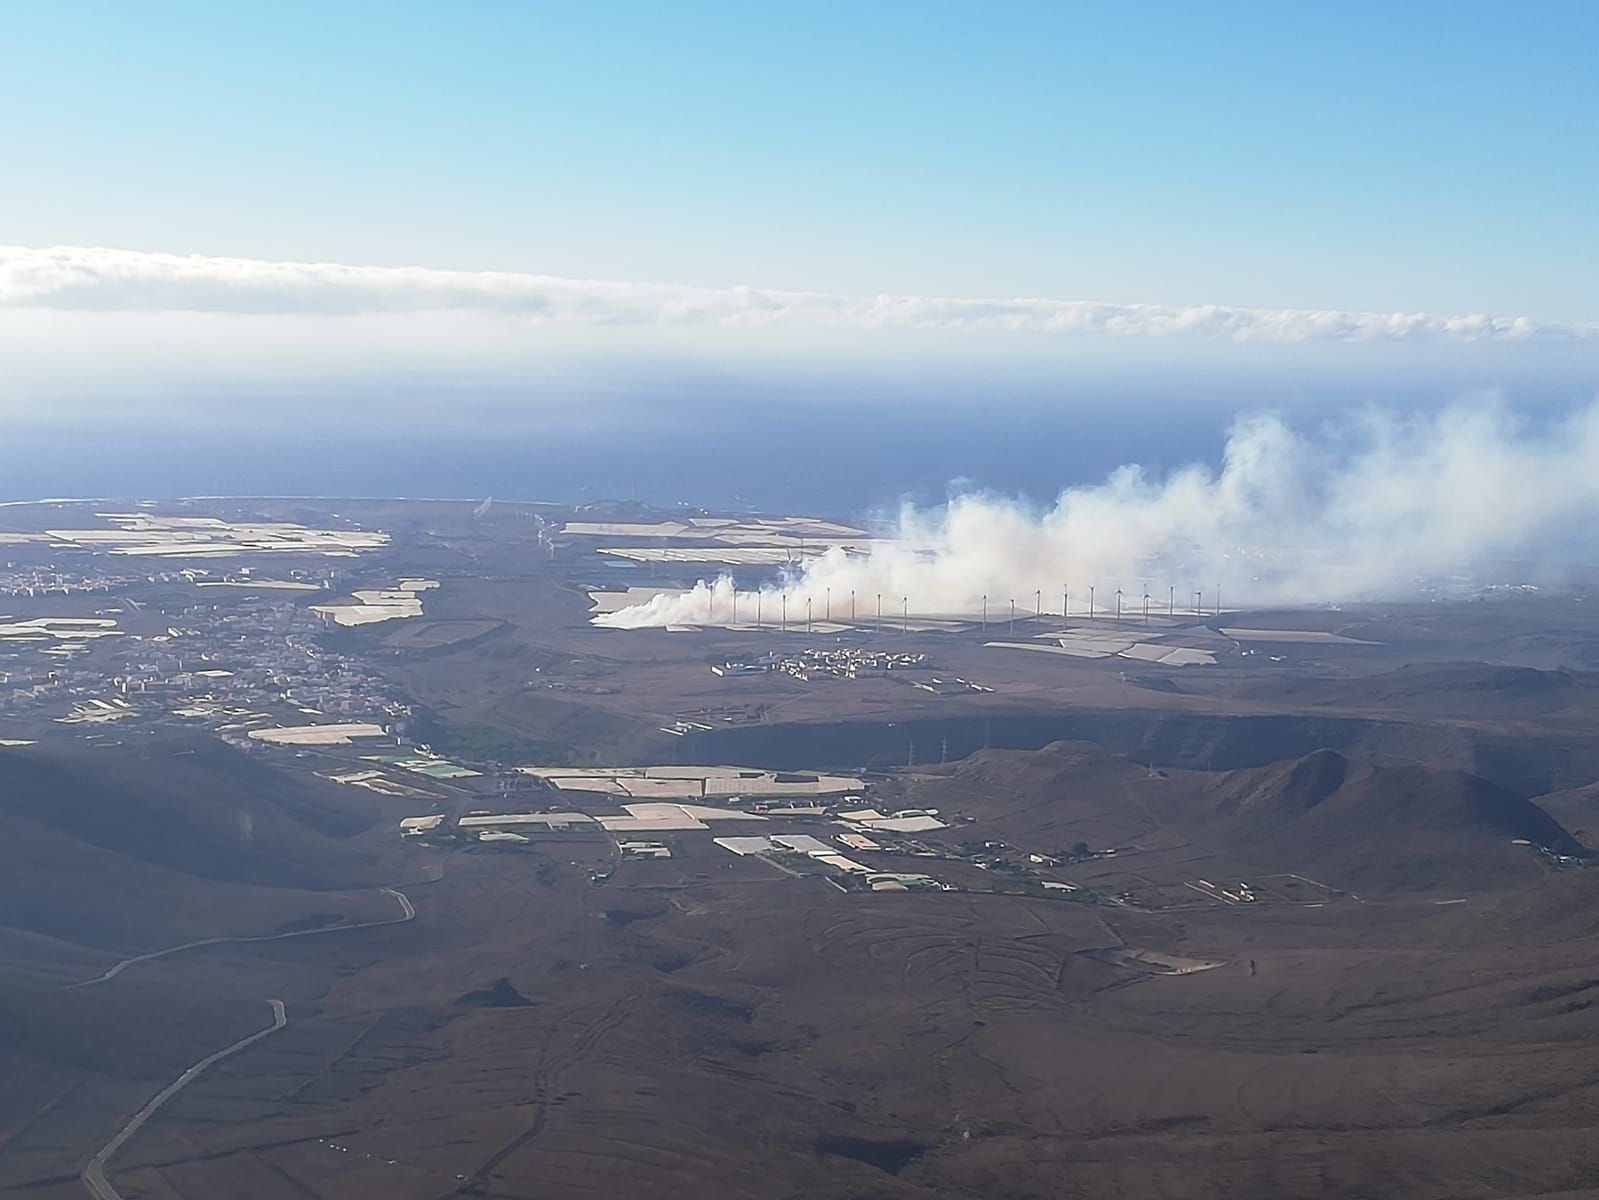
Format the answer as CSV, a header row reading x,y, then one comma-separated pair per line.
x,y
100,280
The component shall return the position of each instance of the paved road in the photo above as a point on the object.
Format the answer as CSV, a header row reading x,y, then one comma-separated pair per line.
x,y
406,913
93,1175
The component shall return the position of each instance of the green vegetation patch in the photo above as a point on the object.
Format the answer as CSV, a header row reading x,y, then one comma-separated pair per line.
x,y
475,742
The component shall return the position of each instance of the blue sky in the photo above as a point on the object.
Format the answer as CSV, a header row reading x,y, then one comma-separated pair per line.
x,y
1373,157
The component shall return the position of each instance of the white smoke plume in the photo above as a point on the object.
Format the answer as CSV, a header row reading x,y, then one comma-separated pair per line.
x,y
1368,509
90,279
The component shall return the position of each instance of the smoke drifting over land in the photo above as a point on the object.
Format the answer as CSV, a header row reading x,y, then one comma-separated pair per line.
x,y
1369,508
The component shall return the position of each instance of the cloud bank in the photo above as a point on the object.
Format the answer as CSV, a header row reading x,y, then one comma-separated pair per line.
x,y
101,280
1372,509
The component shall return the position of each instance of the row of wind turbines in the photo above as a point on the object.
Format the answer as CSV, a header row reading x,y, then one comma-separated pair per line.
x,y
1038,613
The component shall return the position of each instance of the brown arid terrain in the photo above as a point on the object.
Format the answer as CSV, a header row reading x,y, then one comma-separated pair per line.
x,y
1313,923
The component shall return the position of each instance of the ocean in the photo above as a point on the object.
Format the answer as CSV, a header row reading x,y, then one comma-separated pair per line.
x,y
838,453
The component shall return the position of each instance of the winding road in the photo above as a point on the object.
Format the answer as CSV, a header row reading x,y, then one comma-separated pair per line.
x,y
407,912
93,1175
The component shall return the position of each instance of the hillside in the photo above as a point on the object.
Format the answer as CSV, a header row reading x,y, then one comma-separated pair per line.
x,y
1576,808
1458,689
1360,824
196,806
1357,824
133,850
